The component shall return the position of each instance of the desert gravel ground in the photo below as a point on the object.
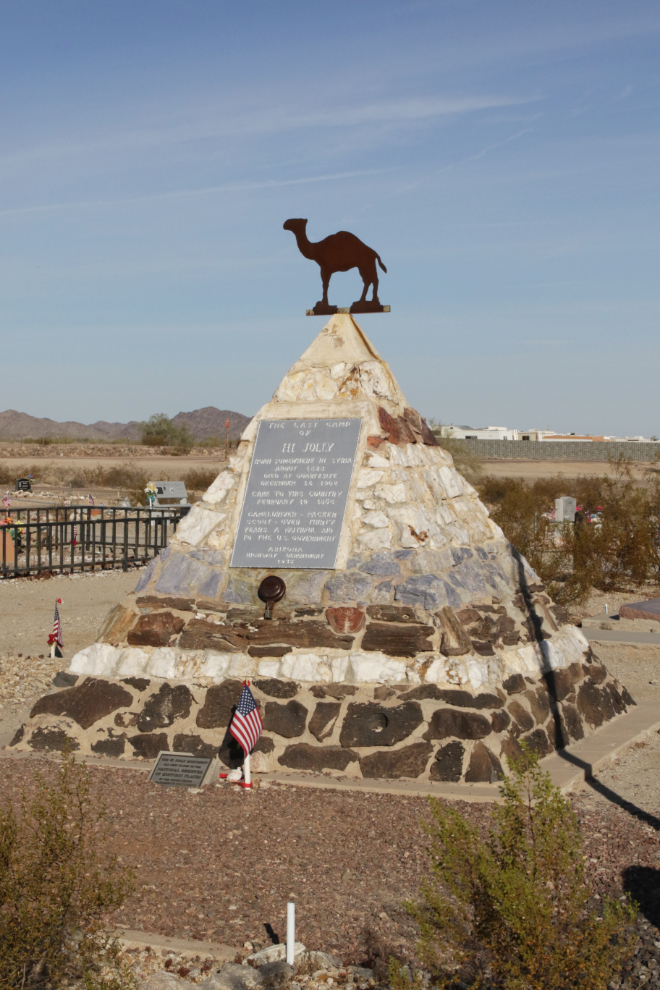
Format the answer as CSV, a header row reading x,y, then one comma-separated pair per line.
x,y
220,865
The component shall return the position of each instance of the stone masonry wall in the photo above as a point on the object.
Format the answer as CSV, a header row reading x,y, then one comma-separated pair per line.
x,y
560,450
374,731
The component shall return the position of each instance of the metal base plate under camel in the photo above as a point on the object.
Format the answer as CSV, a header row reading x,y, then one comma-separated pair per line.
x,y
358,307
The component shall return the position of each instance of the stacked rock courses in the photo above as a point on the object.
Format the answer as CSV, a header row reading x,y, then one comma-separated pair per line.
x,y
412,640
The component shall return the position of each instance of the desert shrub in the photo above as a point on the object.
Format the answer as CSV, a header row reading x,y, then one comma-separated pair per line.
x,y
623,549
56,885
514,910
199,479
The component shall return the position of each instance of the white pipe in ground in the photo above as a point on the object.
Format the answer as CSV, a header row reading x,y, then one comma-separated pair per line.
x,y
290,931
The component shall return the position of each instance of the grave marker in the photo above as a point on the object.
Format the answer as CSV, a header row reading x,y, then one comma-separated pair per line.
x,y
179,770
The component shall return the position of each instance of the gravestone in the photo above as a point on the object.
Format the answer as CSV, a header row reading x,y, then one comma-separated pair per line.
x,y
296,493
565,509
23,485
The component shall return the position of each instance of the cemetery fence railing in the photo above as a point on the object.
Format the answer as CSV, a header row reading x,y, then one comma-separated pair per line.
x,y
68,539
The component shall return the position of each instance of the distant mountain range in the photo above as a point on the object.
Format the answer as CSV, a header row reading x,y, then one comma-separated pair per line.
x,y
203,423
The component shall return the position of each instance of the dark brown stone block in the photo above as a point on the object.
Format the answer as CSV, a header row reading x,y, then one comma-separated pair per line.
x,y
514,684
338,691
112,746
269,651
383,693
618,703
521,716
275,688
163,708
219,705
510,748
285,720
195,745
370,724
597,673
448,722
323,720
448,763
302,756
483,649
500,721
595,705
468,615
164,601
86,703
18,735
301,634
117,625
200,634
627,697
538,742
345,619
149,746
455,697
45,740
406,640
559,683
392,613
454,639
484,766
156,629
420,426
539,702
571,722
410,761
264,744
397,430
139,683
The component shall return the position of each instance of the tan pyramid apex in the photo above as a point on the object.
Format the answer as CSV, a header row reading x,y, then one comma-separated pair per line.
x,y
341,364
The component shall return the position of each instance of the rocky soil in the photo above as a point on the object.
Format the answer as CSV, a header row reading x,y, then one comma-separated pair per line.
x,y
221,864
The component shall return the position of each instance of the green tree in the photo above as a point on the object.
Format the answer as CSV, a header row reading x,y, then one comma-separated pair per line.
x,y
160,431
512,911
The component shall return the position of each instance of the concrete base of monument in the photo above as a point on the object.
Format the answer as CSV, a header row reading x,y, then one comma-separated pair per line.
x,y
420,730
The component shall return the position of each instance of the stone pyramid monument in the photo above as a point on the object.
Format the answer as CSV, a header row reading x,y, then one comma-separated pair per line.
x,y
411,639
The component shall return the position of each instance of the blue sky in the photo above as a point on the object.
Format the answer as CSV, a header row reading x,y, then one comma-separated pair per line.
x,y
501,156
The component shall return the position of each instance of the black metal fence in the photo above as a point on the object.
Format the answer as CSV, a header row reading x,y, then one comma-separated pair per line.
x,y
61,540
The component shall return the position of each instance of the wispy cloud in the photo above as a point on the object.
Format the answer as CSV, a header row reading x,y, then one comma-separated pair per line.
x,y
213,123
186,193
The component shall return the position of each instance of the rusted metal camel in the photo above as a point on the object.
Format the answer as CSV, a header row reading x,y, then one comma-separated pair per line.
x,y
339,253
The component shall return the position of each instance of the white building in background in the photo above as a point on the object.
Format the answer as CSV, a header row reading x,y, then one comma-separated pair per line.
x,y
483,433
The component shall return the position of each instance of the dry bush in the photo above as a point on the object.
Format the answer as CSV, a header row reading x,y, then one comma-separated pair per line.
x,y
56,885
623,550
199,479
514,910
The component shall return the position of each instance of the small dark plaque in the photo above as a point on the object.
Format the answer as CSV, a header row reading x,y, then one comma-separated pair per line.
x,y
179,770
296,495
23,485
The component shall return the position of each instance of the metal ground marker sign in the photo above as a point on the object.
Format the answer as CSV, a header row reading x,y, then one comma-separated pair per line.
x,y
179,769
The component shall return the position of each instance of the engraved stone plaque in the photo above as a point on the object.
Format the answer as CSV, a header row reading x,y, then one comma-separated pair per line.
x,y
179,770
295,500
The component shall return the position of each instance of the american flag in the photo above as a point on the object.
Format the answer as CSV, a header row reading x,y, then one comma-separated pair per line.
x,y
90,499
246,724
57,626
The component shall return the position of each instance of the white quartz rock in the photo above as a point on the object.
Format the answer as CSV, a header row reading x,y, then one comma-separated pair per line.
x,y
368,477
99,659
163,663
376,519
197,524
304,667
375,668
391,493
377,461
220,487
376,539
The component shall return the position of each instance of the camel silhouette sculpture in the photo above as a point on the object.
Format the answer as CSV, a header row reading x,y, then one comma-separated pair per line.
x,y
339,253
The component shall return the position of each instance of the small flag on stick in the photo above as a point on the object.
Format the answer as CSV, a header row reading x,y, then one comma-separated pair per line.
x,y
55,640
246,725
